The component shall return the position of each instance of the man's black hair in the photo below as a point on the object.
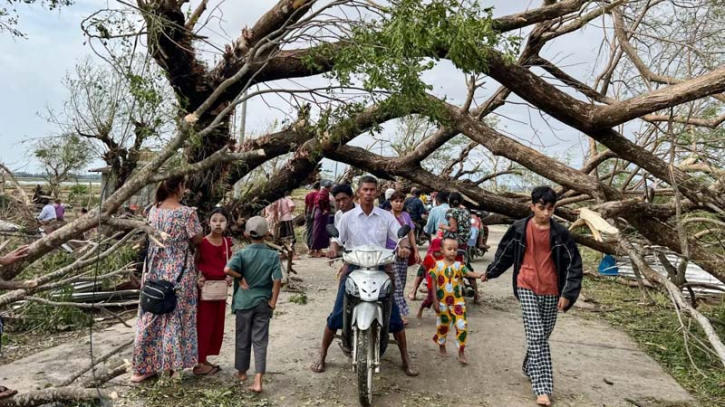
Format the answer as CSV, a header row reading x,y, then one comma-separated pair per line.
x,y
316,185
543,195
418,193
367,179
342,188
442,197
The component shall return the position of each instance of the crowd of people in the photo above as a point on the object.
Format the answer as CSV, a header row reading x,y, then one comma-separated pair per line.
x,y
546,264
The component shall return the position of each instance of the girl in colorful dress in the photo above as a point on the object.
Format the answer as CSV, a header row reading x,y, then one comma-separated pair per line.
x,y
400,267
211,258
168,342
459,228
447,282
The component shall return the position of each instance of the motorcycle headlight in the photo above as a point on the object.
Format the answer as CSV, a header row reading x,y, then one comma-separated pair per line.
x,y
352,288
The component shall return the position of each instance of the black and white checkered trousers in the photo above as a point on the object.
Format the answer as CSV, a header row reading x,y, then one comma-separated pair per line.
x,y
400,268
539,314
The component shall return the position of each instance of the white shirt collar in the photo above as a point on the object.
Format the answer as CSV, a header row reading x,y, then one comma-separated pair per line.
x,y
359,211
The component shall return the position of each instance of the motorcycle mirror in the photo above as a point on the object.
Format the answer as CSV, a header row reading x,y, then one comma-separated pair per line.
x,y
403,231
332,231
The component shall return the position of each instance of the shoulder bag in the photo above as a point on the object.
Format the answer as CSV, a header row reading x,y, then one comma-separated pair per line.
x,y
159,296
216,290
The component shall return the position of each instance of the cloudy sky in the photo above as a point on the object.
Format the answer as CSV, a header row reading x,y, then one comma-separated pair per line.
x,y
32,70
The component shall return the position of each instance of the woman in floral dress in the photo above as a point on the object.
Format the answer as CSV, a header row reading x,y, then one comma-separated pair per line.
x,y
168,343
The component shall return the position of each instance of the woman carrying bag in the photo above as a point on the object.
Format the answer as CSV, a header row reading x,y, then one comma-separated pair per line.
x,y
166,340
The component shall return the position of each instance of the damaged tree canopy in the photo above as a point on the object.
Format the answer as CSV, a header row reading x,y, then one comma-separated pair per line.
x,y
653,160
651,113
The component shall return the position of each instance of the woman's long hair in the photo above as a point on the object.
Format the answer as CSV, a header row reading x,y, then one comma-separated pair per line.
x,y
167,188
455,199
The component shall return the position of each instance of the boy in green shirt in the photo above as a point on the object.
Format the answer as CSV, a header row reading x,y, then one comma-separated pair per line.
x,y
258,278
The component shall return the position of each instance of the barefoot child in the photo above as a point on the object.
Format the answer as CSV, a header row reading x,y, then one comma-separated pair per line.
x,y
447,283
213,254
547,277
258,278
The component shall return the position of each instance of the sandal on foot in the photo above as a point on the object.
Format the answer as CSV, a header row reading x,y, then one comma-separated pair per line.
x,y
409,371
212,365
214,370
318,367
6,393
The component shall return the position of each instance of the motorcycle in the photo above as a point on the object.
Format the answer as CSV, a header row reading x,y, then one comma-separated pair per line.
x,y
478,246
367,307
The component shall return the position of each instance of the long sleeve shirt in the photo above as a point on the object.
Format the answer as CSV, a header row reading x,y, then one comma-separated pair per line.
x,y
47,214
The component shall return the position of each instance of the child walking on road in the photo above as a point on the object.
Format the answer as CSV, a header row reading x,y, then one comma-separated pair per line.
x,y
547,277
447,282
258,278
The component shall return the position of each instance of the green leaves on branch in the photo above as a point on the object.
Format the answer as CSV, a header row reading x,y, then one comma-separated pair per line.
x,y
392,52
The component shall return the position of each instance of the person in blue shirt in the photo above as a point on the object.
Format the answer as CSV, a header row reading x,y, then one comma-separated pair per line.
x,y
438,214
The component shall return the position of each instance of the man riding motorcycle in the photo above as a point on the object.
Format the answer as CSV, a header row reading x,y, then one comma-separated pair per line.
x,y
365,224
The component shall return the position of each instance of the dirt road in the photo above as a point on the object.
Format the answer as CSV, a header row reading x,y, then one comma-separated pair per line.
x,y
594,364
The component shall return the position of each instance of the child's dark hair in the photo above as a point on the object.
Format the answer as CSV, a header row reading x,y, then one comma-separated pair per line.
x,y
543,195
167,188
455,199
221,211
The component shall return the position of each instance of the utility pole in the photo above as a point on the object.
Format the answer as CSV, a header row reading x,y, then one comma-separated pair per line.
x,y
242,130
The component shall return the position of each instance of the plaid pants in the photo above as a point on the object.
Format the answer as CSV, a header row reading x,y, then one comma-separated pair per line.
x,y
539,314
400,270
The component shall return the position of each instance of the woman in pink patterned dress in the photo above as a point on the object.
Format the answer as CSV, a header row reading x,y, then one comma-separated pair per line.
x,y
168,343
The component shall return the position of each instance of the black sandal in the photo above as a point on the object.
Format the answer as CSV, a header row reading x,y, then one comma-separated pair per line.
x,y
214,370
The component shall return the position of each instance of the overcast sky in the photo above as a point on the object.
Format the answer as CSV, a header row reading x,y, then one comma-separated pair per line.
x,y
32,70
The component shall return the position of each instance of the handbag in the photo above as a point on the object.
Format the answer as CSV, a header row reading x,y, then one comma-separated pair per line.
x,y
159,296
411,257
216,290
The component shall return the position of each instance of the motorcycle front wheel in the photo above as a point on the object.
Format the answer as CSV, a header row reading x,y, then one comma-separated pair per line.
x,y
365,364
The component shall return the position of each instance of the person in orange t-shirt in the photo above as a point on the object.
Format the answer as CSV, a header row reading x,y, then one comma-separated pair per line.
x,y
547,278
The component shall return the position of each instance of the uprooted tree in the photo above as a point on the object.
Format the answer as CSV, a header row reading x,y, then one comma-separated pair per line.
x,y
651,114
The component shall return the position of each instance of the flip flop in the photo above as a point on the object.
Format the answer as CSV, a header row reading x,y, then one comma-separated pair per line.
x,y
409,371
214,370
6,393
318,367
212,365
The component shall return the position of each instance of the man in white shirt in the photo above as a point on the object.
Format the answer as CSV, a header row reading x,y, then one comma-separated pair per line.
x,y
47,216
365,224
343,198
